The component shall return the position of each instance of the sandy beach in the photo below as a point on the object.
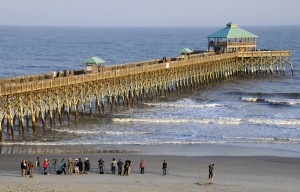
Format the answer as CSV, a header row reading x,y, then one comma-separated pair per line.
x,y
185,172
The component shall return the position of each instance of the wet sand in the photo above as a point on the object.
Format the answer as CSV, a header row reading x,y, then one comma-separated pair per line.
x,y
185,172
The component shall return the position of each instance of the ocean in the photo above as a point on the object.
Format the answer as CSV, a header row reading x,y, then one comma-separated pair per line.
x,y
258,112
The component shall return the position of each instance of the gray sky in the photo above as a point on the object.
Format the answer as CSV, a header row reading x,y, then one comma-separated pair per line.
x,y
149,12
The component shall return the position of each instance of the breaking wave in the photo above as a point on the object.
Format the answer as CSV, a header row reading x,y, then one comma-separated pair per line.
x,y
274,121
224,120
263,140
185,103
272,101
83,132
224,140
221,120
264,94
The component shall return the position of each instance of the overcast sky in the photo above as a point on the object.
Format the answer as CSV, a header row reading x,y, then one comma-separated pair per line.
x,y
149,12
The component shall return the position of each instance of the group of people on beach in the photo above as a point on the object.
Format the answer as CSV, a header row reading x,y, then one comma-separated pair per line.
x,y
78,166
122,167
73,166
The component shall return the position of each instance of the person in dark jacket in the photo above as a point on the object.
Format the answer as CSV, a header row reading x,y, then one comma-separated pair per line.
x,y
101,165
87,165
120,165
23,168
126,167
80,166
209,171
164,167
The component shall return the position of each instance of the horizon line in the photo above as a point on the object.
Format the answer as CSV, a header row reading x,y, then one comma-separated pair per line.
x,y
142,26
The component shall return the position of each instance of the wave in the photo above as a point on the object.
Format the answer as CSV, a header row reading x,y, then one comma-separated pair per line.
x,y
224,140
220,120
86,132
264,140
265,94
185,103
272,101
180,120
274,121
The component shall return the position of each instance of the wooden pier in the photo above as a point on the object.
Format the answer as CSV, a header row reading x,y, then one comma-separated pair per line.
x,y
39,98
43,101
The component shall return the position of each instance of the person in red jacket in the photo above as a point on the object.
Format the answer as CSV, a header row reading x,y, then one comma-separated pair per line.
x,y
46,164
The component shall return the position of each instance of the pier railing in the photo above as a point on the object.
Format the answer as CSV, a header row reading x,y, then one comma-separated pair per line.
x,y
267,53
225,44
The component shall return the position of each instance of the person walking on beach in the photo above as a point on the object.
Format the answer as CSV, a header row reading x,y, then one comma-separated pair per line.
x,y
164,167
70,166
113,166
23,168
129,166
30,166
142,166
76,166
49,167
126,167
120,165
87,166
38,164
101,165
45,165
212,171
54,164
63,166
80,165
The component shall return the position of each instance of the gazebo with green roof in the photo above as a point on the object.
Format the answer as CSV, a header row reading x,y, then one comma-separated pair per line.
x,y
230,39
185,51
91,64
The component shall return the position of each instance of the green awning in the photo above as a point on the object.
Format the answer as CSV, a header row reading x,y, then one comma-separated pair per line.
x,y
232,31
94,60
185,50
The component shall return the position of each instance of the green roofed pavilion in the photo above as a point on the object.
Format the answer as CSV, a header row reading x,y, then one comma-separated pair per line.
x,y
94,60
185,51
232,38
91,64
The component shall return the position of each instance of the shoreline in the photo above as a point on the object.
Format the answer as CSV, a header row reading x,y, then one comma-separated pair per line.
x,y
155,149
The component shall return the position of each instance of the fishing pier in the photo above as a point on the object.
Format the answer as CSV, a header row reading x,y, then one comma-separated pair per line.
x,y
44,101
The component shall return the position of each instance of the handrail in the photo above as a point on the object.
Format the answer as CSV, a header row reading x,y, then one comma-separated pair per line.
x,y
224,44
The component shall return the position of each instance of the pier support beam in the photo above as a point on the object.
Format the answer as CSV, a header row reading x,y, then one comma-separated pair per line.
x,y
76,112
1,139
1,128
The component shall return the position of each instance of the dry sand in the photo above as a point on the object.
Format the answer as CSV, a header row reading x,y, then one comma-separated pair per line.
x,y
185,173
